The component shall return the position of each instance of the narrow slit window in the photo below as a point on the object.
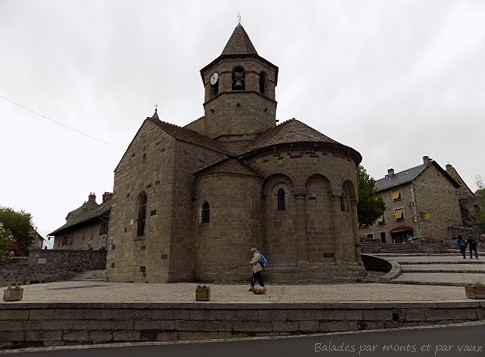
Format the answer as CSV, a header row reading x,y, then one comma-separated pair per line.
x,y
262,83
142,215
281,199
205,213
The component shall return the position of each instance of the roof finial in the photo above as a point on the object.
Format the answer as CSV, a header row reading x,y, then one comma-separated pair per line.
x,y
239,20
155,115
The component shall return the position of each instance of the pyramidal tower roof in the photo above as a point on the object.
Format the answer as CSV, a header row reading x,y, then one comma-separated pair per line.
x,y
239,43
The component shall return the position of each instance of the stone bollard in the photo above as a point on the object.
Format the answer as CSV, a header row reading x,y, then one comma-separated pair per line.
x,y
13,293
202,293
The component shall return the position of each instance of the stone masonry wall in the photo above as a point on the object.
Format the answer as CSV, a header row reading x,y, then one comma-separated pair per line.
x,y
146,168
162,168
316,235
189,159
51,265
234,227
436,196
23,325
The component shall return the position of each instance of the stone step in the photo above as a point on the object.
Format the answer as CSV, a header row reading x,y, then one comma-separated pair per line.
x,y
443,279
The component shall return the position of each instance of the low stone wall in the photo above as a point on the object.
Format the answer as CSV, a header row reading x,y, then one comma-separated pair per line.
x,y
51,265
27,324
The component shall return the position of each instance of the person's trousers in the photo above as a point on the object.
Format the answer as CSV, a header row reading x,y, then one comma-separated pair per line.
x,y
463,251
473,250
257,277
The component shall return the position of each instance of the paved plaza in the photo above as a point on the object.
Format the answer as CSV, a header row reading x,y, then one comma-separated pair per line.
x,y
422,278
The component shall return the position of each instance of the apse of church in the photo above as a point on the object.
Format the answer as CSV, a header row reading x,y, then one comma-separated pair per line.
x,y
189,202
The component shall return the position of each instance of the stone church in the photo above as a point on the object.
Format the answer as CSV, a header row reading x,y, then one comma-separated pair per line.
x,y
189,202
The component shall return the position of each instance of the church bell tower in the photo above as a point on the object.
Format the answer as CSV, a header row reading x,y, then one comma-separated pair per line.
x,y
239,87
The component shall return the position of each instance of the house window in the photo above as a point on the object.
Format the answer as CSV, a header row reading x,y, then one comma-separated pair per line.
x,y
396,195
424,215
399,214
142,215
281,199
370,235
205,213
103,228
238,81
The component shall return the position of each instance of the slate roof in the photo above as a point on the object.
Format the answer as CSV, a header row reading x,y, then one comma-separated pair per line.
x,y
407,176
292,131
188,135
239,43
87,212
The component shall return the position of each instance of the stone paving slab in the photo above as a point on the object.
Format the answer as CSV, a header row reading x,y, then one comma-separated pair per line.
x,y
452,268
429,259
439,278
109,292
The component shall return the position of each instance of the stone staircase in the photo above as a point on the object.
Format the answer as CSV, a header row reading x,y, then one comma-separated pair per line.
x,y
91,275
373,246
436,269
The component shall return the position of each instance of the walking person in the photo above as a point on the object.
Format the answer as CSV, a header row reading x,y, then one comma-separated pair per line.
x,y
460,242
472,244
256,271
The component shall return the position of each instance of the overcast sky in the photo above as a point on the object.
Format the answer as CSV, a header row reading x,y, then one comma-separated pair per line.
x,y
395,80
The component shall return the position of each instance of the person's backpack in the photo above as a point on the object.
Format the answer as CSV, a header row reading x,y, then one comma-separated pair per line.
x,y
263,261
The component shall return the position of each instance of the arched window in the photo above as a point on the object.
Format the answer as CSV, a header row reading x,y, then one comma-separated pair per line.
x,y
205,213
343,203
281,199
142,215
238,82
345,199
215,89
262,83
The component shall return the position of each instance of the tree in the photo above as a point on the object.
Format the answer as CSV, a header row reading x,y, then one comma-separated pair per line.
x,y
480,200
19,223
6,244
370,206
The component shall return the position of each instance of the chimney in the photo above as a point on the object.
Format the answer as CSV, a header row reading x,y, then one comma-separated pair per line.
x,y
427,160
92,197
107,196
390,172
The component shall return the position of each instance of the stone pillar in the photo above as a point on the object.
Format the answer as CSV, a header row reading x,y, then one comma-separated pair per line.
x,y
300,222
355,229
335,199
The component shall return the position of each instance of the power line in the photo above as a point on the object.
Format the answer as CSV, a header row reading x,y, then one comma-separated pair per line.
x,y
59,123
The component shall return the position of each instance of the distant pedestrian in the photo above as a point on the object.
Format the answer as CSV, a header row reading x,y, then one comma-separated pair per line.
x,y
461,243
472,244
256,271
